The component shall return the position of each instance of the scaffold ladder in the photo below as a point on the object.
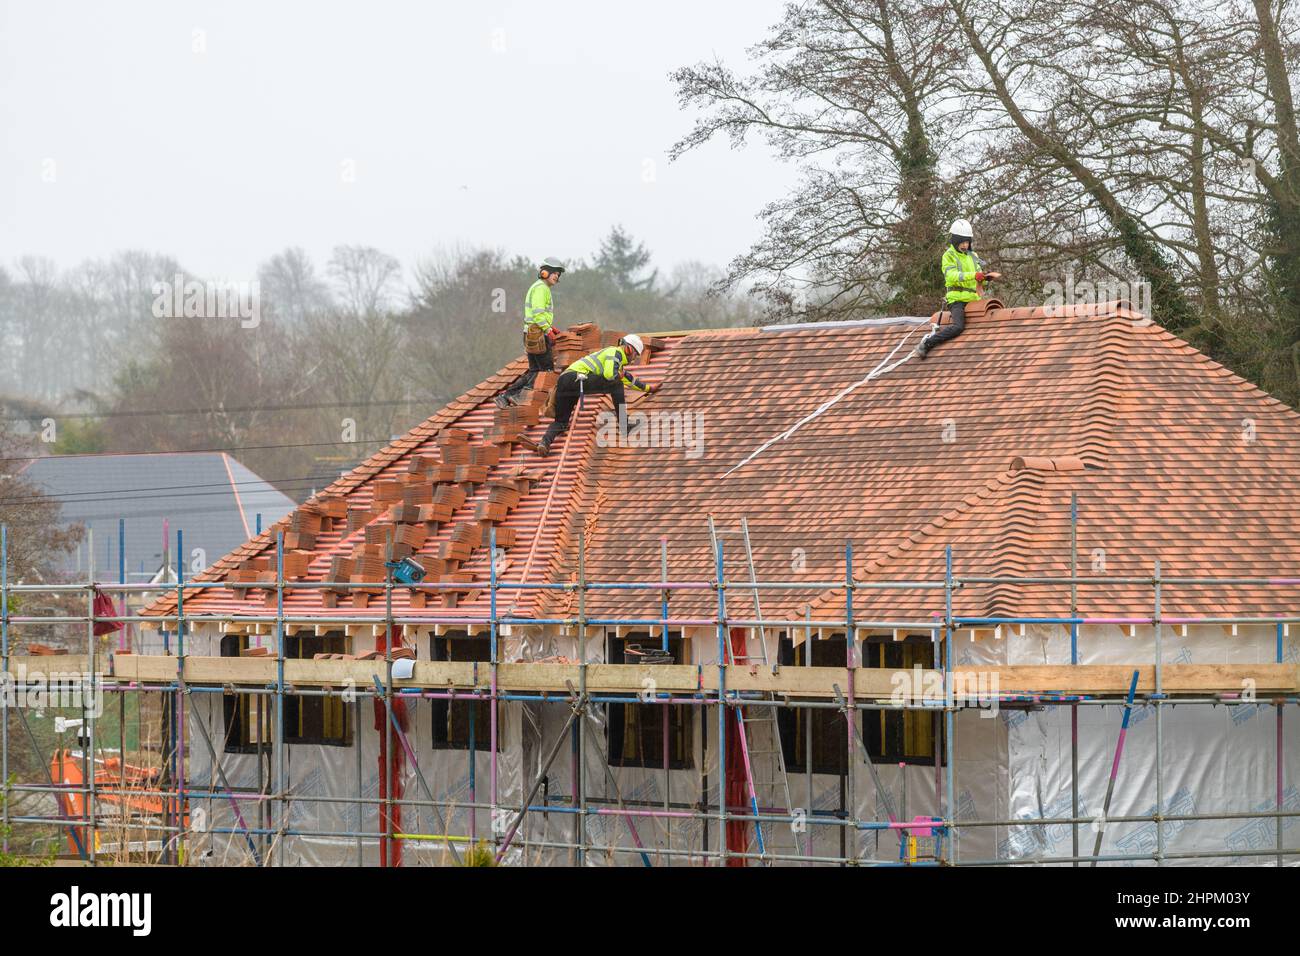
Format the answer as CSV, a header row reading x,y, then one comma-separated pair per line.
x,y
758,723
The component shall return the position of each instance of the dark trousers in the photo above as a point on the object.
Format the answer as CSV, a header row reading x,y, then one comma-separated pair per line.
x,y
541,362
567,392
953,329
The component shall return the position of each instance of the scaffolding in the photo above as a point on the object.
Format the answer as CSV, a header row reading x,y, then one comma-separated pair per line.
x,y
574,689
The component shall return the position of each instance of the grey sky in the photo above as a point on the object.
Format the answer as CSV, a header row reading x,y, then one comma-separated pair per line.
x,y
222,157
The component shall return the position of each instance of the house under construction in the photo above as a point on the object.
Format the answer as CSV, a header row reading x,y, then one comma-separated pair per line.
x,y
1028,601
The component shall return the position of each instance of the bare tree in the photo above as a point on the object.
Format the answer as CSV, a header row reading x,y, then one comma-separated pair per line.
x,y
37,536
857,90
366,280
1022,58
290,288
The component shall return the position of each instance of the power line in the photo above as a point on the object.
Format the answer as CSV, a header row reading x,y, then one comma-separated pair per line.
x,y
70,496
196,451
175,496
130,413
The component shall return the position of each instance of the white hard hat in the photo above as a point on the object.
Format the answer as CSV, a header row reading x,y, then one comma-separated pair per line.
x,y
553,264
635,343
960,227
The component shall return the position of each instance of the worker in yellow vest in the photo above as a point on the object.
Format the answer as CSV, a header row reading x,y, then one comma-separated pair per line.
x,y
600,373
962,276
539,329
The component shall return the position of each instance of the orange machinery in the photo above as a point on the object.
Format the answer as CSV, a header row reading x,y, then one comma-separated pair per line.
x,y
120,790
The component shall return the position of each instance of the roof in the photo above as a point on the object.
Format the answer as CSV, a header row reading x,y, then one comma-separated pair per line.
x,y
210,497
980,447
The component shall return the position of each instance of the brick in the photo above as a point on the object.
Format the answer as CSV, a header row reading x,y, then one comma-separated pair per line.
x,y
566,357
296,562
588,336
387,490
501,495
299,541
372,579
432,566
340,569
449,494
305,521
487,511
455,550
421,464
436,512
404,514
381,532
457,454
519,414
334,507
412,534
469,533
420,493
487,455
360,517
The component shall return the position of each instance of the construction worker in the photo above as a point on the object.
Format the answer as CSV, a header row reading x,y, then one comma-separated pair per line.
x,y
600,373
962,275
539,329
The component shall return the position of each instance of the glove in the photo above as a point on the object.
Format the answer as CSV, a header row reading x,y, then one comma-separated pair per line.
x,y
979,277
551,335
582,376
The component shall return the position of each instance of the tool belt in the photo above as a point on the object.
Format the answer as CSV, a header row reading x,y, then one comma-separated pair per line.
x,y
535,340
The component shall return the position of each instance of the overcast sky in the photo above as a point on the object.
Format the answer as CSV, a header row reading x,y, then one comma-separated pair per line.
x,y
221,132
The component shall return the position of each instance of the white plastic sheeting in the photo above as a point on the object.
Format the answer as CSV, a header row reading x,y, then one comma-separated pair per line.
x,y
336,773
1012,763
1215,759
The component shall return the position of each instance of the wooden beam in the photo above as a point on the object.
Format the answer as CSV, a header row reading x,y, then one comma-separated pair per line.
x,y
1103,680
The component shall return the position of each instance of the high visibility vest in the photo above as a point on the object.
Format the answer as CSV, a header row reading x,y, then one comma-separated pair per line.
x,y
607,363
538,307
959,270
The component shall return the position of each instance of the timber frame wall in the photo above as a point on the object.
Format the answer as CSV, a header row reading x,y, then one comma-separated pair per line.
x,y
722,687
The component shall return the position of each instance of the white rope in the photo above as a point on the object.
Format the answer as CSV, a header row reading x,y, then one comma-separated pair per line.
x,y
883,368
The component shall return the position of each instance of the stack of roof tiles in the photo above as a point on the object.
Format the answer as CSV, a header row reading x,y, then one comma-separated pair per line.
x,y
980,448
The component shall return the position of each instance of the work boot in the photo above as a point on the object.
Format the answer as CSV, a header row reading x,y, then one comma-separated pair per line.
x,y
543,448
501,401
923,349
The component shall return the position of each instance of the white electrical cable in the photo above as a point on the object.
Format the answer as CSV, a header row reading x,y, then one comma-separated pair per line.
x,y
883,368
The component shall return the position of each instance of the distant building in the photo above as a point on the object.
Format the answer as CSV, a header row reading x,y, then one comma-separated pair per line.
x,y
208,496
